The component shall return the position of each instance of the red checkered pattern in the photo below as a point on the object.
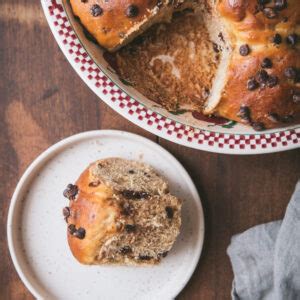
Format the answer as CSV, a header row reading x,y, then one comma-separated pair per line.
x,y
148,119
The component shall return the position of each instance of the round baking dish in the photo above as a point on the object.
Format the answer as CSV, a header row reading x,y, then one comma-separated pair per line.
x,y
184,128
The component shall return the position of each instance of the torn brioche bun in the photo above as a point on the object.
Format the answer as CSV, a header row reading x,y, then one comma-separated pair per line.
x,y
121,212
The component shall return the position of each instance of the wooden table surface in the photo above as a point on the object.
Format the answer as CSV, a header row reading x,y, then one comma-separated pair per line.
x,y
42,100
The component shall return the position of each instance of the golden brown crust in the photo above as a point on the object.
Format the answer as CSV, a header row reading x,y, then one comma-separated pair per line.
x,y
251,24
271,106
95,214
115,23
234,10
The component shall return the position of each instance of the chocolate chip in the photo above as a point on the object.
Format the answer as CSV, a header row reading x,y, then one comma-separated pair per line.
x,y
277,39
125,250
244,50
266,63
66,212
84,1
79,233
169,212
96,10
216,48
287,119
290,73
221,37
95,183
296,98
163,254
262,76
274,117
272,81
130,228
258,126
145,257
129,194
71,228
270,12
244,113
132,11
252,84
71,191
292,39
280,4
131,172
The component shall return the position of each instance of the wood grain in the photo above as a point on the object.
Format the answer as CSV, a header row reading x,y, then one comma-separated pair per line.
x,y
42,101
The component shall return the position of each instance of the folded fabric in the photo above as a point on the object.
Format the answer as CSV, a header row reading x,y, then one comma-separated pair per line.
x,y
266,258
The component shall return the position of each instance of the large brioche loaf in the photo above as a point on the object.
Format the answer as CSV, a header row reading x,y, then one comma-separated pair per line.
x,y
121,213
257,81
260,85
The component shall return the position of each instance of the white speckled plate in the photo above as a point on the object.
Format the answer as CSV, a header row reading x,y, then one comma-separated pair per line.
x,y
37,232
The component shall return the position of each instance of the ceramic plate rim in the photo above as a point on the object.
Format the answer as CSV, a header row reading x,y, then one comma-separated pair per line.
x,y
49,152
203,139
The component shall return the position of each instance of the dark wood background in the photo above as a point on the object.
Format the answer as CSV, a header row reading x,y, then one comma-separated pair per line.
x,y
42,101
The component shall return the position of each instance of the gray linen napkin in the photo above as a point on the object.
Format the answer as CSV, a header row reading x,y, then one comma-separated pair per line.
x,y
266,258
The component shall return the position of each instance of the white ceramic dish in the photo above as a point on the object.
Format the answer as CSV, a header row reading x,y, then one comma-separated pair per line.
x,y
37,232
185,128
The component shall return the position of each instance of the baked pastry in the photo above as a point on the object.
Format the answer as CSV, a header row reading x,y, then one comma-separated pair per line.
x,y
115,23
121,212
258,82
256,78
